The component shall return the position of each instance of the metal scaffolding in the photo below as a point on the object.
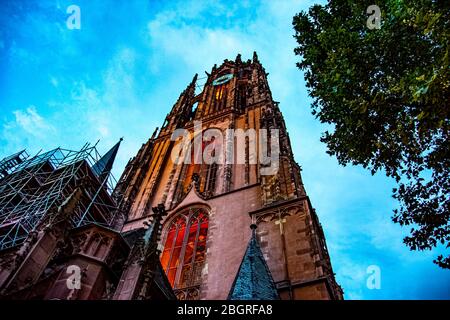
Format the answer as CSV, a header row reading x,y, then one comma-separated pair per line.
x,y
31,188
9,163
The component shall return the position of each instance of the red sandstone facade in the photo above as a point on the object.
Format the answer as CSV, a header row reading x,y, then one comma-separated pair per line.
x,y
236,95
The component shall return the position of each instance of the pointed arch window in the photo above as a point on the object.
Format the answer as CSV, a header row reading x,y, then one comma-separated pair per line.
x,y
207,172
220,97
184,251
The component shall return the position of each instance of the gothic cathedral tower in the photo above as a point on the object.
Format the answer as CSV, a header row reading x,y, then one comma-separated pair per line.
x,y
207,249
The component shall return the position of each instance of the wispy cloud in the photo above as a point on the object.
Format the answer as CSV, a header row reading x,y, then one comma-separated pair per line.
x,y
28,126
32,123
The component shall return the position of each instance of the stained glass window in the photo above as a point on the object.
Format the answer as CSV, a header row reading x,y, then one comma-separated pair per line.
x,y
184,251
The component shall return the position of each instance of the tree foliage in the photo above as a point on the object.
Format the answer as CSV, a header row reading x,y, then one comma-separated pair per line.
x,y
386,94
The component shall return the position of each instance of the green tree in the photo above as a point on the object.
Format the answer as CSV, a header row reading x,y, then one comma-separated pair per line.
x,y
385,93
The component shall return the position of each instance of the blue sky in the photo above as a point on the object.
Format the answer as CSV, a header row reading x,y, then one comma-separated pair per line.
x,y
120,74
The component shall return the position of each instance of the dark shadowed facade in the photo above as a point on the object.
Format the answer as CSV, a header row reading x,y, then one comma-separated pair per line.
x,y
173,227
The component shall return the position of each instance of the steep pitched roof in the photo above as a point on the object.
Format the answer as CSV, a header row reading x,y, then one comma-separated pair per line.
x,y
104,165
253,280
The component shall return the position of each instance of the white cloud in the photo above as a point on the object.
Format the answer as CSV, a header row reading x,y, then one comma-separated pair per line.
x,y
211,45
352,277
32,123
27,128
112,108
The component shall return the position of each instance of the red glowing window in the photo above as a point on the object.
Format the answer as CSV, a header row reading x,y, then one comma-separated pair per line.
x,y
184,251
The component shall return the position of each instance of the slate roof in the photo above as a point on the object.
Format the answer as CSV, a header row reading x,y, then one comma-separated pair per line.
x,y
253,280
103,166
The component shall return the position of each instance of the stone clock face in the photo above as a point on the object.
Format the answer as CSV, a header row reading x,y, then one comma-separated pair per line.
x,y
222,79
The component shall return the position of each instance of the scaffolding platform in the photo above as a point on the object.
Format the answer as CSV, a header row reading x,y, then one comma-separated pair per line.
x,y
32,188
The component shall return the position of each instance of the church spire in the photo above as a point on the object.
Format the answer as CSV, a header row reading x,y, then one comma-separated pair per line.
x,y
103,167
238,59
253,280
189,92
182,109
194,81
255,57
